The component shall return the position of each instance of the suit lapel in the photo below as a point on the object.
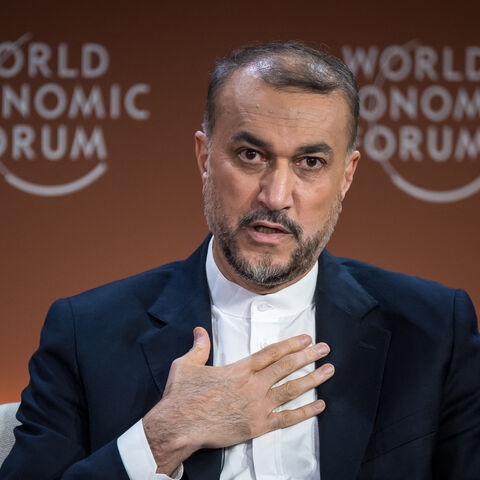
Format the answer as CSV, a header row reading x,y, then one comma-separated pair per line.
x,y
347,318
183,305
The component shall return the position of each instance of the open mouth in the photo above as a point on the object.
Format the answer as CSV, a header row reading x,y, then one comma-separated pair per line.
x,y
268,230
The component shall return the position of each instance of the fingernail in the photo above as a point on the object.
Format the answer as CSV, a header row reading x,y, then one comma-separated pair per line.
x,y
321,348
320,405
305,340
197,336
328,369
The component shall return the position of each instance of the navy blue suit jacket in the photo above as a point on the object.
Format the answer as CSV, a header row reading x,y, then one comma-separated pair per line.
x,y
404,402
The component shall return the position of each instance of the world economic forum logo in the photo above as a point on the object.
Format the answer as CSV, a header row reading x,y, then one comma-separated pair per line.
x,y
54,105
420,112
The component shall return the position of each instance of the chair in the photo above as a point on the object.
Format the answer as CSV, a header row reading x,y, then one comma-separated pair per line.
x,y
7,423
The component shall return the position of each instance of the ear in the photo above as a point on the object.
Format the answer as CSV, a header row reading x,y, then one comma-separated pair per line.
x,y
350,167
201,152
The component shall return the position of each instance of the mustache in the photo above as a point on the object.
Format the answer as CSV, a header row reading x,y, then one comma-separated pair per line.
x,y
274,216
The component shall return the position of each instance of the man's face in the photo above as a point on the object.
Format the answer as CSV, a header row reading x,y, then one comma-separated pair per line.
x,y
274,176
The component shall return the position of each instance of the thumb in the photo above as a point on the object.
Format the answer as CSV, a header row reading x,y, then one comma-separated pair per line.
x,y
200,351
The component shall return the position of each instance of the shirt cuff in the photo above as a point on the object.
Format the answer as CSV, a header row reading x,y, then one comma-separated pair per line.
x,y
137,457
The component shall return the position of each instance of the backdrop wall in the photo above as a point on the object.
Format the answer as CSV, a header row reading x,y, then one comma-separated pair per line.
x,y
99,102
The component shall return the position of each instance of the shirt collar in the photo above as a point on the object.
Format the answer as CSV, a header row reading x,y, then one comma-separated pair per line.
x,y
233,299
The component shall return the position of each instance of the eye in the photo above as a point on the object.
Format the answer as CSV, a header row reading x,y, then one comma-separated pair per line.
x,y
311,163
250,155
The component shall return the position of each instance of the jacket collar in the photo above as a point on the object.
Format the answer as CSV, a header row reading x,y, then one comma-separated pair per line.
x,y
183,305
347,318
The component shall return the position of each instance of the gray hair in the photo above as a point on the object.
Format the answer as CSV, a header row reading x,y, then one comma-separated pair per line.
x,y
286,65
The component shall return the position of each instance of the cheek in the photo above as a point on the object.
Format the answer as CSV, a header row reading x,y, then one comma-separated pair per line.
x,y
314,209
236,191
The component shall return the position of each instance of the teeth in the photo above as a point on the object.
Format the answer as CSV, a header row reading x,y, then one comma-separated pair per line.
x,y
262,229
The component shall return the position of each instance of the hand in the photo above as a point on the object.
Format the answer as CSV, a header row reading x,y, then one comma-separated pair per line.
x,y
210,407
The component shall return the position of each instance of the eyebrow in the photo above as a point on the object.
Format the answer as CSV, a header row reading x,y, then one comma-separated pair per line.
x,y
244,136
252,139
321,147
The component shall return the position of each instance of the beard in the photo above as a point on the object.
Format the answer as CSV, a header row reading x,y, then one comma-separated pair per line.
x,y
265,272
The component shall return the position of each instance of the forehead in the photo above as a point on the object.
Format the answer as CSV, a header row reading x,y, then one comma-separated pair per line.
x,y
247,102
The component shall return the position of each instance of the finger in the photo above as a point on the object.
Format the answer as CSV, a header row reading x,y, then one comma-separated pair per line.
x,y
287,418
265,357
289,363
294,388
198,354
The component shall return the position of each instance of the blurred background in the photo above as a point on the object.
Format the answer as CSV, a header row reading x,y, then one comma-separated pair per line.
x,y
99,101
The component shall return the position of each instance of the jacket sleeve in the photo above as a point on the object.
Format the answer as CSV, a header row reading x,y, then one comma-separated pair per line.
x,y
457,454
53,440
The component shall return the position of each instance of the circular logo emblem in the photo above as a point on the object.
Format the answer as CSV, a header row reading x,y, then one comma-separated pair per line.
x,y
420,111
55,106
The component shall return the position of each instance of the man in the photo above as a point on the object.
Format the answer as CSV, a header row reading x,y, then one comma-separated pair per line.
x,y
117,392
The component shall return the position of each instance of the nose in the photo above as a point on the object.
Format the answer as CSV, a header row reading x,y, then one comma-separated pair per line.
x,y
276,187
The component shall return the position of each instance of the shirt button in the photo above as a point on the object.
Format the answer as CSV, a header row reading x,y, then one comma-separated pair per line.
x,y
263,307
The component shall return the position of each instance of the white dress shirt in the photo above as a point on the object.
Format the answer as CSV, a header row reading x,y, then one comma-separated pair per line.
x,y
243,323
